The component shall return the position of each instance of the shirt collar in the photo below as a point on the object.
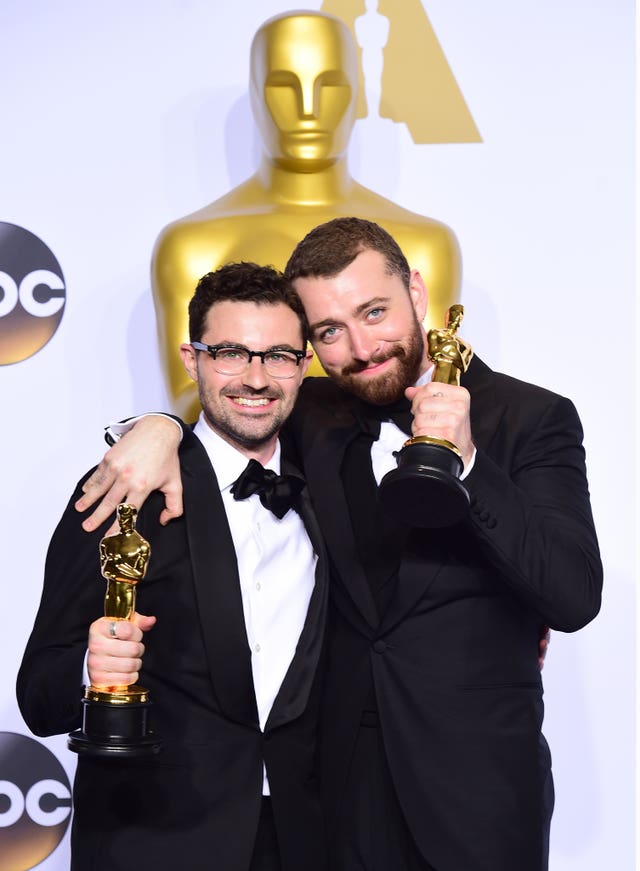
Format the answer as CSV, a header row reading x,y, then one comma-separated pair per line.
x,y
426,377
227,461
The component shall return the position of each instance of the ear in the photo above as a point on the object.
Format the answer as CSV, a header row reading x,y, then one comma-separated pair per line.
x,y
418,294
304,364
189,358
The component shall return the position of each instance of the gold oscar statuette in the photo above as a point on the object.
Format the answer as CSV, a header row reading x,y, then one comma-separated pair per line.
x,y
115,718
425,490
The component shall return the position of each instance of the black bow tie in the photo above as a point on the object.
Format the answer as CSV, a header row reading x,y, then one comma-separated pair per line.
x,y
277,492
372,415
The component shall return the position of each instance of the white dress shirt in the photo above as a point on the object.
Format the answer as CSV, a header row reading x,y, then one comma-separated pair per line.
x,y
276,566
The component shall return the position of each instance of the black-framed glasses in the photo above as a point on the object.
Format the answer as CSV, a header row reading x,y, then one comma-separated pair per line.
x,y
234,359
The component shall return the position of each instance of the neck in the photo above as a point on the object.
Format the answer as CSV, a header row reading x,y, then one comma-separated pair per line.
x,y
304,183
426,363
261,452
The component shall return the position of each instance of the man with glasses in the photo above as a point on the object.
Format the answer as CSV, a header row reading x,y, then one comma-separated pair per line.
x,y
237,589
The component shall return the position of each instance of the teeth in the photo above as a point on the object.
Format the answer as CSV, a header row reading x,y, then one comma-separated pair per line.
x,y
243,400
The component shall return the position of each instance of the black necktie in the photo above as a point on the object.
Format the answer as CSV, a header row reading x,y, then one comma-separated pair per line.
x,y
277,492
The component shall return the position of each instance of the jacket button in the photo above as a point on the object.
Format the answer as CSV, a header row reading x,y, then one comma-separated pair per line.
x,y
379,646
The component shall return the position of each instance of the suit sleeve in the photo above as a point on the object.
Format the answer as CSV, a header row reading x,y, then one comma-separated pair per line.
x,y
49,684
532,515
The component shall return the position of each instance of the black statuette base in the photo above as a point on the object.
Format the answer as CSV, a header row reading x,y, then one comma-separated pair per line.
x,y
114,731
425,490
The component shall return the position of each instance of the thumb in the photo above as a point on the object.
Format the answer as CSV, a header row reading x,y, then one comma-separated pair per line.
x,y
410,392
173,507
144,622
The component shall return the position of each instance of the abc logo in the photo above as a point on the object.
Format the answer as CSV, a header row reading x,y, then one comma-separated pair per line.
x,y
35,802
32,294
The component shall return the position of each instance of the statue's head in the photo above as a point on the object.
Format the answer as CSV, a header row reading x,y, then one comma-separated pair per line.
x,y
126,515
304,79
454,316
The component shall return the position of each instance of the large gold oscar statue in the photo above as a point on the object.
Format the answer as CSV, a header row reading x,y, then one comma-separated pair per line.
x,y
303,92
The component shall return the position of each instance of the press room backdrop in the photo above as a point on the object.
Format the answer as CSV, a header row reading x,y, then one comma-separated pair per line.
x,y
117,118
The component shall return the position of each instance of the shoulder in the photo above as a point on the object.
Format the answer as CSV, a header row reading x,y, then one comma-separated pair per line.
x,y
322,396
480,376
321,405
526,404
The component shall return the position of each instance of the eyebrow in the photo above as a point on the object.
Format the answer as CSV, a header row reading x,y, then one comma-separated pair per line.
x,y
284,346
358,310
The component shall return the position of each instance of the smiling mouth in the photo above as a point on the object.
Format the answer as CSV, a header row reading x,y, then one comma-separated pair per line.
x,y
372,369
252,402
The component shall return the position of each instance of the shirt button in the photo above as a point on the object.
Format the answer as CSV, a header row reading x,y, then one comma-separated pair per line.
x,y
258,586
379,646
257,648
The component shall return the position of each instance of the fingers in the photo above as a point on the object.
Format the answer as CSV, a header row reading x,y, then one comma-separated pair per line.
x,y
115,650
172,496
143,460
112,481
543,645
442,411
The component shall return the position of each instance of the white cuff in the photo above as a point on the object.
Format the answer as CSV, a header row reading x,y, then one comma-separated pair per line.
x,y
85,671
469,466
118,429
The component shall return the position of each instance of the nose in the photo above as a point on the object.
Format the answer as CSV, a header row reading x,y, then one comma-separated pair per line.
x,y
363,345
255,375
308,98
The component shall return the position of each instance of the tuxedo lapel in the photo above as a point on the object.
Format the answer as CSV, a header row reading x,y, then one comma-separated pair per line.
x,y
293,694
217,585
486,410
324,457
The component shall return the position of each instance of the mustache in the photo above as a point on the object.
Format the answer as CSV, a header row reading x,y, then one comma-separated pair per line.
x,y
357,366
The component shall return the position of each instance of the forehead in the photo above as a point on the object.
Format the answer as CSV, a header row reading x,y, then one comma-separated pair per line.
x,y
255,325
340,296
305,45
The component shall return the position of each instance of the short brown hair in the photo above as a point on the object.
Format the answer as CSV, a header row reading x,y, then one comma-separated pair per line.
x,y
243,282
331,247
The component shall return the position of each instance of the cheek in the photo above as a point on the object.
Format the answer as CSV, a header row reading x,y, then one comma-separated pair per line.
x,y
330,356
282,104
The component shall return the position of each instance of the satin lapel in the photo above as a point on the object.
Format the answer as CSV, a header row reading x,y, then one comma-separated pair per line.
x,y
486,411
323,460
424,557
293,694
217,586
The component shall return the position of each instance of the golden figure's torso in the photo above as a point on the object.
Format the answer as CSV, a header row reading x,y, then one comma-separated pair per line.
x,y
251,223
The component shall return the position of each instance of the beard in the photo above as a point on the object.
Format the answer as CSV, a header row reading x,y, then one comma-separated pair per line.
x,y
389,386
245,432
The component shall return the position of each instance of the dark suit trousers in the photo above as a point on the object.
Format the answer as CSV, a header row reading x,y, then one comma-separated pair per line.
x,y
373,835
266,856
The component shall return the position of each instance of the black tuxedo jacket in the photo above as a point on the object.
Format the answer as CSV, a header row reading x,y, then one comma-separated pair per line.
x,y
452,657
196,804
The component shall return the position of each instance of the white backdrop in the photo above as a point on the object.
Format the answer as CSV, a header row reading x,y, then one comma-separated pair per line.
x,y
117,118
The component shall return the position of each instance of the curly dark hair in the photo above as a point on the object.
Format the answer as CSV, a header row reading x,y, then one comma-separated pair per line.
x,y
331,247
243,282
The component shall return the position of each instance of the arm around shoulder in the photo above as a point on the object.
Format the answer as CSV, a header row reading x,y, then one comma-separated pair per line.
x,y
143,459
